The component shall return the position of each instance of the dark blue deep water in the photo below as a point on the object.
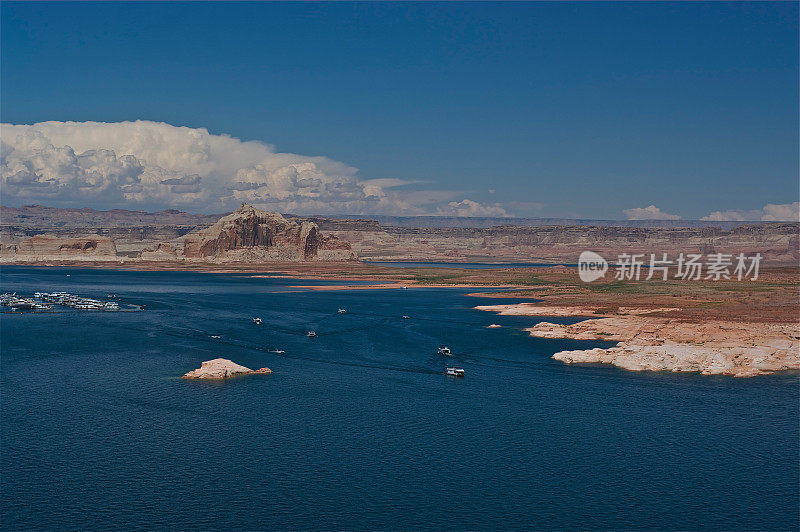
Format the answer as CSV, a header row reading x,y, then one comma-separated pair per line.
x,y
358,428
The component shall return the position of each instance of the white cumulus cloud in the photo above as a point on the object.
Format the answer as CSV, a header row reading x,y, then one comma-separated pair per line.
x,y
649,213
786,212
471,208
151,165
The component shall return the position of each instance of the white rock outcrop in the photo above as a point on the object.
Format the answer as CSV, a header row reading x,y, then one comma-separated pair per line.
x,y
221,368
655,343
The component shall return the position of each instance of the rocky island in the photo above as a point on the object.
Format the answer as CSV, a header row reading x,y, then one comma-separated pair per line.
x,y
222,368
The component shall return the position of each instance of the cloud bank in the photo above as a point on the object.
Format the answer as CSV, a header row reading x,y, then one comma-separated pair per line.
x,y
649,213
472,208
151,165
155,165
787,212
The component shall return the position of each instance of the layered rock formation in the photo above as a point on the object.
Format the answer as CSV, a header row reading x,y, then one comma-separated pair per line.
x,y
657,344
164,251
252,235
777,242
222,368
41,216
137,235
650,343
49,247
130,242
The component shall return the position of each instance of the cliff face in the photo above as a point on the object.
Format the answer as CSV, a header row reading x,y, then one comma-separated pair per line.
x,y
164,251
253,235
775,241
49,247
250,234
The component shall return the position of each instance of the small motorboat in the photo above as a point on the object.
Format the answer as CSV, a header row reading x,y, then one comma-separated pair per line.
x,y
257,321
278,351
406,317
311,334
111,296
454,372
444,350
216,336
341,311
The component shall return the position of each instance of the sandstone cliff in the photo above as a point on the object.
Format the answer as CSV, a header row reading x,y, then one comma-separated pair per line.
x,y
253,235
137,235
164,251
777,242
49,247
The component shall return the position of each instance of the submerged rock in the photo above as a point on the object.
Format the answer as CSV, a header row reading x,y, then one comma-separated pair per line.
x,y
221,368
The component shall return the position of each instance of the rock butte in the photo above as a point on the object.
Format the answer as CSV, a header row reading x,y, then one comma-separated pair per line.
x,y
253,235
649,343
222,368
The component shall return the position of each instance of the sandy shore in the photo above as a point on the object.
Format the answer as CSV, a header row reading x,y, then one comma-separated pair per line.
x,y
649,341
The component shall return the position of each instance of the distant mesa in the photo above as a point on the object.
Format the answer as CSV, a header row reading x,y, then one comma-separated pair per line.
x,y
222,368
250,234
50,247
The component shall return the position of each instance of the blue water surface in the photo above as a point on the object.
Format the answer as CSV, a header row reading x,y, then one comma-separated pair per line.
x,y
358,428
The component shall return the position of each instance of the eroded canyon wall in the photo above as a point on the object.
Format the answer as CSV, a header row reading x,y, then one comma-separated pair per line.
x,y
250,234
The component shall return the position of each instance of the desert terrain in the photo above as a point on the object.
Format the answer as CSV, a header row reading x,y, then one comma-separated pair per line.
x,y
162,236
729,327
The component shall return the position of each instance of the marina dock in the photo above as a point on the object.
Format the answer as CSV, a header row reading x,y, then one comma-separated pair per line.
x,y
47,301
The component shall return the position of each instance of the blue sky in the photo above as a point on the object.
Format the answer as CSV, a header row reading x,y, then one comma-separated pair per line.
x,y
539,109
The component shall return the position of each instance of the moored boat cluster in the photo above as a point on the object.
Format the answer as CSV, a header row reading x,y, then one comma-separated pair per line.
x,y
45,300
75,301
15,302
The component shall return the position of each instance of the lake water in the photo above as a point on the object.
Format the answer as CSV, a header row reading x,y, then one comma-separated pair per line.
x,y
358,428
